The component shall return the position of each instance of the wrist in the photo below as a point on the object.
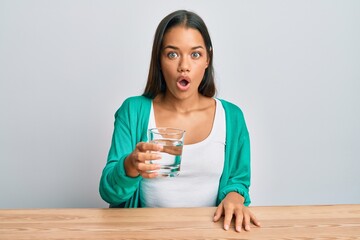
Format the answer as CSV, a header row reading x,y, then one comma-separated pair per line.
x,y
240,198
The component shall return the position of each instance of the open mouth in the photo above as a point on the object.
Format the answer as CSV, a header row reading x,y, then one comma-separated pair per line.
x,y
183,83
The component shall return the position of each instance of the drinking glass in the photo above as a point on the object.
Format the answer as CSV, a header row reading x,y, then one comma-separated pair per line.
x,y
172,140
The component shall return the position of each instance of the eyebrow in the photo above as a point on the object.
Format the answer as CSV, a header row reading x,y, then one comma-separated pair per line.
x,y
176,48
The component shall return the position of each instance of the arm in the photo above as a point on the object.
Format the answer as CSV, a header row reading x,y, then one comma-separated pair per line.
x,y
236,173
126,165
233,196
239,172
115,186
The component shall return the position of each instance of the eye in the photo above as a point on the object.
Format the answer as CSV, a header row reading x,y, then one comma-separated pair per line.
x,y
196,55
172,55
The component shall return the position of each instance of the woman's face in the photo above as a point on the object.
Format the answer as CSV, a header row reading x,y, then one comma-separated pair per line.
x,y
183,61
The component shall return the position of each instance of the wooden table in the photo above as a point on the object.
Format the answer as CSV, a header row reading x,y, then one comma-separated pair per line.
x,y
287,222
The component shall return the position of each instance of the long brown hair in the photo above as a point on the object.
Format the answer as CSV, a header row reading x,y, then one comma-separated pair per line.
x,y
155,82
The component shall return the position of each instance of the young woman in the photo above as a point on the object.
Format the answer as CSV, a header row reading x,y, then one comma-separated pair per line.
x,y
215,168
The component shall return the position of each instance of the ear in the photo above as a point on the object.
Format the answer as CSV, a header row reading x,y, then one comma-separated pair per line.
x,y
207,61
208,58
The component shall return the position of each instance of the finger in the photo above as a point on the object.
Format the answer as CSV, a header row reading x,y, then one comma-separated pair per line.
x,y
229,212
173,150
218,213
143,147
149,174
254,220
247,221
144,167
147,156
238,221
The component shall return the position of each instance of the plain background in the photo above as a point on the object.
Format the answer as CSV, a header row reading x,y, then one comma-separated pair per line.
x,y
66,66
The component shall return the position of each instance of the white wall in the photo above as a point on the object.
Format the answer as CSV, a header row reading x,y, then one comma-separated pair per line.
x,y
66,66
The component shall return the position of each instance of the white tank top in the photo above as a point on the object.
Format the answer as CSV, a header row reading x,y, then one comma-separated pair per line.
x,y
201,168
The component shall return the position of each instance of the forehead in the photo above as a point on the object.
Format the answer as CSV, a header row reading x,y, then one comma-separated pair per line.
x,y
183,36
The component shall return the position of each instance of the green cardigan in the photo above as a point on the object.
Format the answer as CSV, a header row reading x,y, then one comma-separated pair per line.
x,y
131,124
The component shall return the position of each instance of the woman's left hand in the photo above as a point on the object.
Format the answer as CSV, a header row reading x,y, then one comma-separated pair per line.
x,y
232,205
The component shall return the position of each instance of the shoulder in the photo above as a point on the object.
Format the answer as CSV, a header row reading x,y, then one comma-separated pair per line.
x,y
235,121
137,100
134,104
231,108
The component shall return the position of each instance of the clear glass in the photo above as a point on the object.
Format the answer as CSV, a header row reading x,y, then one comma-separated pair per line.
x,y
172,140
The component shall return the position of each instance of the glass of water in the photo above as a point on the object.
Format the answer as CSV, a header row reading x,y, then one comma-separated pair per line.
x,y
172,140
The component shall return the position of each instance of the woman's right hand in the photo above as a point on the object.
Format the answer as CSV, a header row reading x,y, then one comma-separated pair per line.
x,y
135,164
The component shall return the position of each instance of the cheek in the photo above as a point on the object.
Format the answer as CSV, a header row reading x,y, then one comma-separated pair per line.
x,y
167,70
167,66
164,69
202,68
203,65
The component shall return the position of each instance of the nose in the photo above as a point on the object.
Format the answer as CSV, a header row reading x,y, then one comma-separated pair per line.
x,y
184,65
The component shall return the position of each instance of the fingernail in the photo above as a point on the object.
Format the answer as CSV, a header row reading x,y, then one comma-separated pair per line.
x,y
226,227
238,228
247,228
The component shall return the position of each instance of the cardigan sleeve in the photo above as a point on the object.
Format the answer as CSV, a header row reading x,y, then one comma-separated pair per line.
x,y
236,174
115,186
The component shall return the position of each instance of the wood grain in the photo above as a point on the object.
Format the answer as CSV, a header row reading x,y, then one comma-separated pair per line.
x,y
280,222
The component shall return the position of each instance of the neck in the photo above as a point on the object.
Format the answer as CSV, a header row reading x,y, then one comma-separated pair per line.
x,y
180,105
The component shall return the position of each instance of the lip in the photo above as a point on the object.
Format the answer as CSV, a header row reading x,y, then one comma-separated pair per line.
x,y
183,87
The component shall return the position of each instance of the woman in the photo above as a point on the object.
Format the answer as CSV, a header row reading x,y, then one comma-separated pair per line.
x,y
215,168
